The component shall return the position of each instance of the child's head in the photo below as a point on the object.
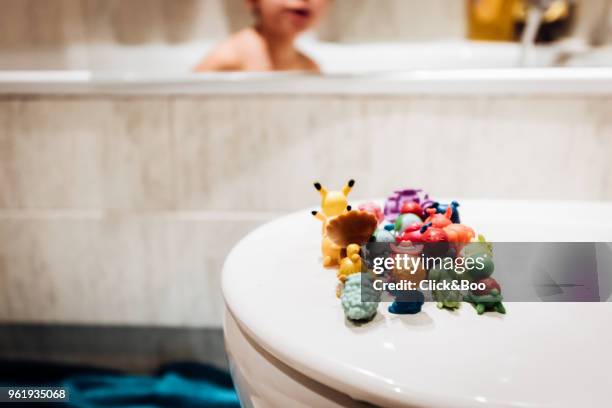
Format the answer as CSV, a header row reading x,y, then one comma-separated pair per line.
x,y
287,17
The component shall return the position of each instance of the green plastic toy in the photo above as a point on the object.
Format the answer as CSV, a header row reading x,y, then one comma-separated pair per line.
x,y
445,299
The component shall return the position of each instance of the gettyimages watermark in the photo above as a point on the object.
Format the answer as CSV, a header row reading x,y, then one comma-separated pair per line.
x,y
519,271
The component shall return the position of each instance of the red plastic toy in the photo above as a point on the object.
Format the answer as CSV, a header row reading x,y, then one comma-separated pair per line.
x,y
412,233
412,207
439,220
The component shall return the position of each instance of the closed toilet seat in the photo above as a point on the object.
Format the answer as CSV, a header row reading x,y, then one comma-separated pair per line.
x,y
290,345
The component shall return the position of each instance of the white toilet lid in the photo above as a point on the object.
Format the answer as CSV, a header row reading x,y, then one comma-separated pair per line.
x,y
537,355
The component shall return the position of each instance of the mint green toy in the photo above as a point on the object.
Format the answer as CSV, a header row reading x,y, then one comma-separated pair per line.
x,y
354,308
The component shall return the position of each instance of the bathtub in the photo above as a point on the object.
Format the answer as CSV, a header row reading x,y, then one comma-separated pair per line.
x,y
505,81
382,68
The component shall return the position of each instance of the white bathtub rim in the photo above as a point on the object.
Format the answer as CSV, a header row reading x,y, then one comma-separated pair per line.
x,y
504,81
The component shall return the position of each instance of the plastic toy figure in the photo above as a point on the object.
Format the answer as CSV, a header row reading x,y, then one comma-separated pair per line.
x,y
330,251
352,227
446,299
357,289
334,203
404,220
378,246
412,207
487,300
482,251
350,264
412,233
374,209
438,220
407,301
435,240
426,204
394,203
459,235
441,209
479,246
384,234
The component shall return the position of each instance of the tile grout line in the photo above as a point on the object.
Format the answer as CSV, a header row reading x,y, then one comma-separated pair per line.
x,y
11,214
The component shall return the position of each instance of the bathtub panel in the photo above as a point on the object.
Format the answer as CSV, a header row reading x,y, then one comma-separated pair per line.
x,y
527,149
224,153
115,269
248,155
86,153
50,155
138,169
229,150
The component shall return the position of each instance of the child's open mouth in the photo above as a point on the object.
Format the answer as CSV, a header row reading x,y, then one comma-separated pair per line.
x,y
299,15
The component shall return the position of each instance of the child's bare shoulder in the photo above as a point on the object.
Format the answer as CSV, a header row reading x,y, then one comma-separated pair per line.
x,y
307,64
228,55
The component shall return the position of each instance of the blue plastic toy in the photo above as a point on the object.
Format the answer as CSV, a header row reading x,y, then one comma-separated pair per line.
x,y
407,302
441,209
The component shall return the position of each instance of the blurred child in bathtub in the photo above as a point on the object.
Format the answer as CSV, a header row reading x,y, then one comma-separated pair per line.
x,y
269,45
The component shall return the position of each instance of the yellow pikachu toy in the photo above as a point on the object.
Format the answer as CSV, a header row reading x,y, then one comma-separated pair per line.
x,y
334,203
351,264
331,252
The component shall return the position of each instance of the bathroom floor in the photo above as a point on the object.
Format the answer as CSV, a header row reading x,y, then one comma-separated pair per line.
x,y
116,366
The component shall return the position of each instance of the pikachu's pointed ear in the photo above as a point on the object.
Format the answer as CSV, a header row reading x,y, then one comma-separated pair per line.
x,y
319,215
322,190
347,188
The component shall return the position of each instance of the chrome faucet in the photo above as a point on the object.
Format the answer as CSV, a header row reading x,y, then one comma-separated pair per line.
x,y
532,26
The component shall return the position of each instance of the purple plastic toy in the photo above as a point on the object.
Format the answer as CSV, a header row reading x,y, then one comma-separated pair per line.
x,y
394,202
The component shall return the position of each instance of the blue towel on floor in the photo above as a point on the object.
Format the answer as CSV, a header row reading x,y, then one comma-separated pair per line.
x,y
178,385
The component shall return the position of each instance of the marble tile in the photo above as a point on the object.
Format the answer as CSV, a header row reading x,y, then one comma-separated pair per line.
x,y
36,24
85,153
537,148
603,129
261,154
59,23
48,152
137,169
394,20
143,269
273,140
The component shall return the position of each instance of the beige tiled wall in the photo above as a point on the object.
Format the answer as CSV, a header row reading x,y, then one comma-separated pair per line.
x,y
107,34
71,34
56,23
394,20
121,210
